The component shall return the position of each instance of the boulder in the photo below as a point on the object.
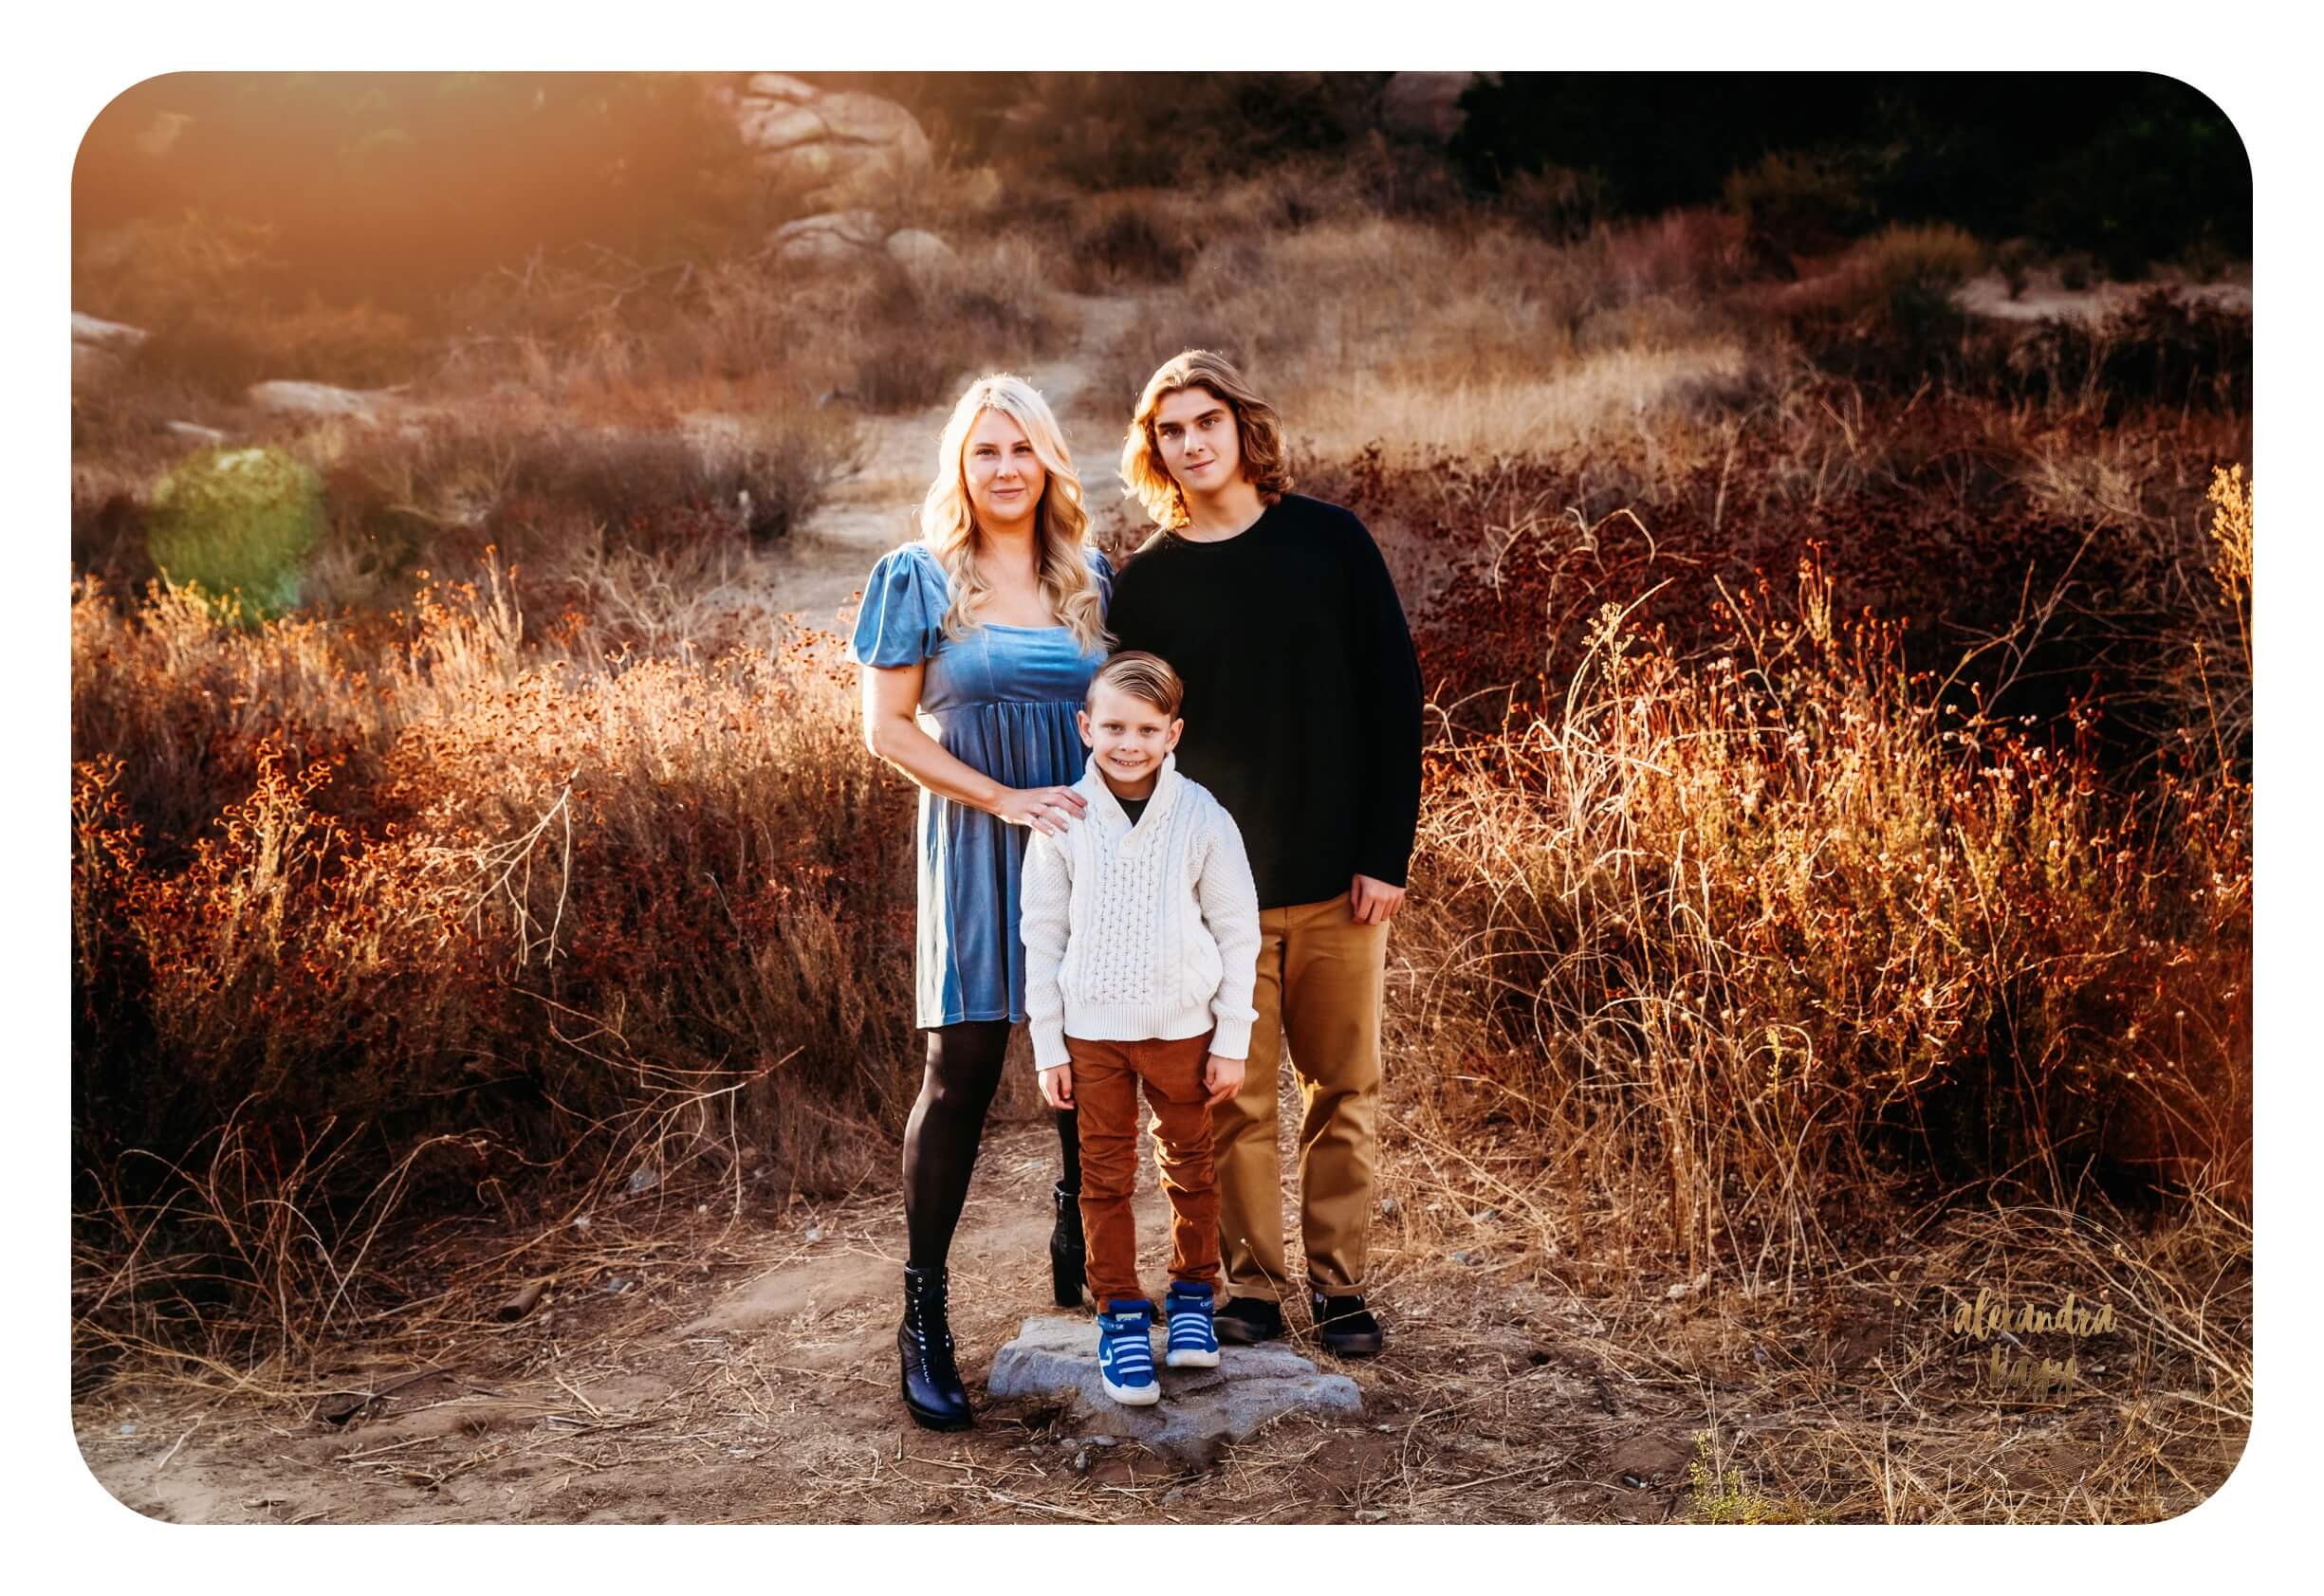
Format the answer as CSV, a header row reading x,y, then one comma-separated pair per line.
x,y
842,148
1424,105
1201,1410
781,86
918,252
833,238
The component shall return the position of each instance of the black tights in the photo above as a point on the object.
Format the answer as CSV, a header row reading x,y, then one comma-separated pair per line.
x,y
947,1126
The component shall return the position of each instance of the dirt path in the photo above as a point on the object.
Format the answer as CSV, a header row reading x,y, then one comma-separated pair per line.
x,y
692,1367
876,509
749,1377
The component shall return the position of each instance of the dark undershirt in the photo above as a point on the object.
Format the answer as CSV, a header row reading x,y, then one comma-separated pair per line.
x,y
1134,807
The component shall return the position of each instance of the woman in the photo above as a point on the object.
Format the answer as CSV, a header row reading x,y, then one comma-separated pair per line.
x,y
992,625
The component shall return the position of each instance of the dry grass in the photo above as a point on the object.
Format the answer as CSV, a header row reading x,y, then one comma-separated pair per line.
x,y
1608,402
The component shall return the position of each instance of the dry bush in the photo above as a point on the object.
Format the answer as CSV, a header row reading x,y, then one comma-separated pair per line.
x,y
1134,237
1506,558
917,335
1693,254
875,332
218,351
1940,256
1882,311
619,471
2160,351
557,904
1725,931
186,703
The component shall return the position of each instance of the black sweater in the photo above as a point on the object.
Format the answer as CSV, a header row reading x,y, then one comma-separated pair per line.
x,y
1303,703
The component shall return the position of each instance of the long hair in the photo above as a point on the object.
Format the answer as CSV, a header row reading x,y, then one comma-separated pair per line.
x,y
1060,523
1259,436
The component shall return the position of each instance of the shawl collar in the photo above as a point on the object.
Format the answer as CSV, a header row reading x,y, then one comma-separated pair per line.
x,y
1156,819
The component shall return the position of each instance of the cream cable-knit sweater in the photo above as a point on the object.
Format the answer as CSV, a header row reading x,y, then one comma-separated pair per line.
x,y
1140,933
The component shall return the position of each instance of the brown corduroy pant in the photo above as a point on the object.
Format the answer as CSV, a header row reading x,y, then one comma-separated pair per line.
x,y
1320,976
1105,1091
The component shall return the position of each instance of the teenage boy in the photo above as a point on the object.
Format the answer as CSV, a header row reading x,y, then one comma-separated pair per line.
x,y
1303,705
1141,936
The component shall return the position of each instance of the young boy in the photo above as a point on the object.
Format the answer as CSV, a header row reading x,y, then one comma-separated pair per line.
x,y
1141,940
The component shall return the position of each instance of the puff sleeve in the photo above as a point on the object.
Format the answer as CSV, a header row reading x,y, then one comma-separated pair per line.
x,y
901,620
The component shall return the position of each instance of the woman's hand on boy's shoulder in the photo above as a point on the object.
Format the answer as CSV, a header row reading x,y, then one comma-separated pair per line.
x,y
1047,810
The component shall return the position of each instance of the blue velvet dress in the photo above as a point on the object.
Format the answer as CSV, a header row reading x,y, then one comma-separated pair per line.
x,y
1003,700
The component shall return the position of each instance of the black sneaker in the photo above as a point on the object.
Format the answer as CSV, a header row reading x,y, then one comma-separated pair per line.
x,y
1344,1325
1248,1320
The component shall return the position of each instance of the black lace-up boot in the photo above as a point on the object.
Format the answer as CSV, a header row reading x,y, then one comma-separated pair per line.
x,y
1067,1252
931,1380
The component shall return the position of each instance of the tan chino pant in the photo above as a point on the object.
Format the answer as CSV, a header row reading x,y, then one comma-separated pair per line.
x,y
1319,983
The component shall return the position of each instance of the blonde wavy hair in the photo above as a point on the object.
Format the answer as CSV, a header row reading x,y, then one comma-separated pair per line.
x,y
948,525
1259,436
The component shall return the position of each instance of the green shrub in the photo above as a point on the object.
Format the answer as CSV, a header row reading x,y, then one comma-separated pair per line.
x,y
238,524
1797,204
1932,257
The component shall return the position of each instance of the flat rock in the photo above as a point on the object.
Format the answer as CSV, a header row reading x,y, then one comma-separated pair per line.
x,y
1201,1410
319,398
91,329
834,236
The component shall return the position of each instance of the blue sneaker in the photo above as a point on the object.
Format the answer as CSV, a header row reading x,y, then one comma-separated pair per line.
x,y
1193,1343
1125,1358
